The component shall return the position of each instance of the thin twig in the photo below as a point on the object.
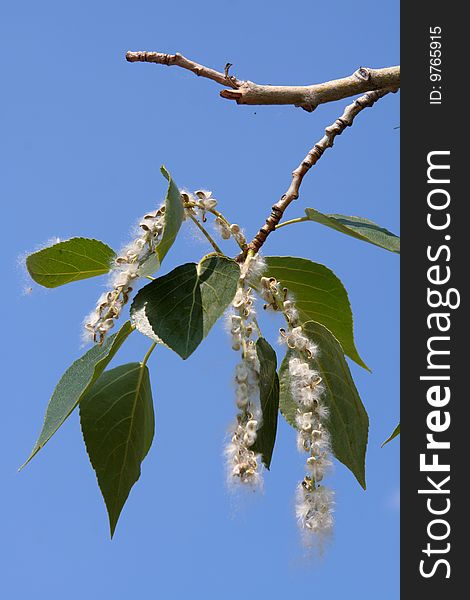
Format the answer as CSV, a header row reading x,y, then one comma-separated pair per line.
x,y
181,61
345,120
216,214
307,97
205,233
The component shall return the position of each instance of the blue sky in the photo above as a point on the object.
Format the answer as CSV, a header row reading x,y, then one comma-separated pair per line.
x,y
83,134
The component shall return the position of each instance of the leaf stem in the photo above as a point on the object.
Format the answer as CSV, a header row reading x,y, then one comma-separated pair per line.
x,y
258,329
205,233
298,220
147,356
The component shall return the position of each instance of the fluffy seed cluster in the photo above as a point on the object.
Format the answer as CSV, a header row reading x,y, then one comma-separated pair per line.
x,y
252,270
243,464
314,510
223,229
238,234
201,201
314,502
128,266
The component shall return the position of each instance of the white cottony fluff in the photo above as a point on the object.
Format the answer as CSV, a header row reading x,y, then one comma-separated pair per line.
x,y
252,270
306,386
318,465
314,503
314,508
238,234
243,464
125,270
199,204
222,228
295,339
206,200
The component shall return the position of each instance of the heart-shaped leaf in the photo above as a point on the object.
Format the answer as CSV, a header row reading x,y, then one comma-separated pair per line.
x,y
319,296
180,308
72,260
118,424
348,422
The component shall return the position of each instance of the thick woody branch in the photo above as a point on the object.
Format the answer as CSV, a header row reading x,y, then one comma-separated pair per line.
x,y
307,97
337,128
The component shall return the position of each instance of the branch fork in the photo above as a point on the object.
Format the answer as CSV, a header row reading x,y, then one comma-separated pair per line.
x,y
375,82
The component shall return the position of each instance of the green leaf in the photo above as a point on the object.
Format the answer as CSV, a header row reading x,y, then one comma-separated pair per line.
x,y
72,260
357,227
75,383
118,424
348,423
180,308
393,435
149,266
319,296
269,399
174,213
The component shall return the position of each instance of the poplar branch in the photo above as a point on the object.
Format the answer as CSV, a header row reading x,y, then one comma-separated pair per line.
x,y
307,97
292,193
